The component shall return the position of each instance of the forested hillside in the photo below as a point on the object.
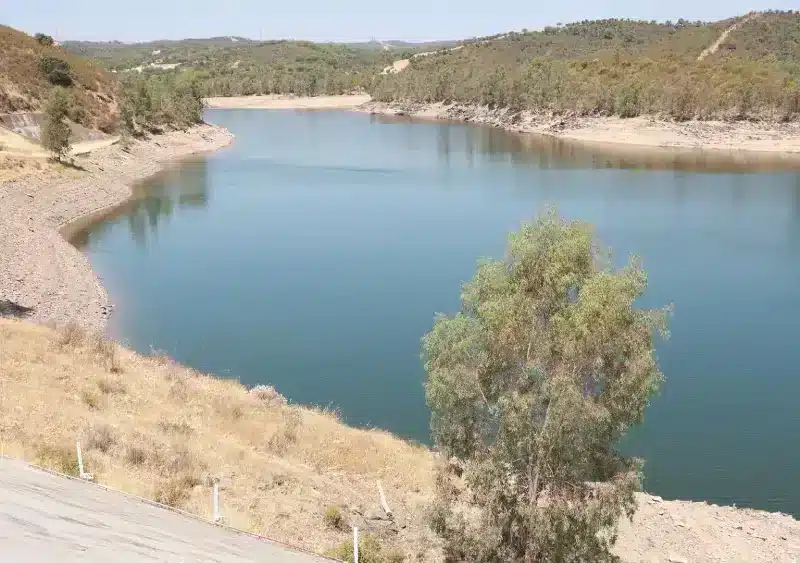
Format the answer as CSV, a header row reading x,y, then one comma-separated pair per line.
x,y
32,67
621,67
235,66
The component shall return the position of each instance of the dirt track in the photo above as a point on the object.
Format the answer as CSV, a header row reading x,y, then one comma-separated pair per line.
x,y
714,47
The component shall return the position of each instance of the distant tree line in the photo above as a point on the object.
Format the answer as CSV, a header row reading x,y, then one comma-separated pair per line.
x,y
618,67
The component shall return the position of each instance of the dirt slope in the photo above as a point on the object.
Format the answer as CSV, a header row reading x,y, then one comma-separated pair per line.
x,y
24,87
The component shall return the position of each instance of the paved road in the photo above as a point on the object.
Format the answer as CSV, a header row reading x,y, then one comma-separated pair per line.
x,y
44,517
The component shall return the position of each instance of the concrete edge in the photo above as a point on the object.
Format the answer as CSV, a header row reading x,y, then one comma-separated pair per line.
x,y
155,504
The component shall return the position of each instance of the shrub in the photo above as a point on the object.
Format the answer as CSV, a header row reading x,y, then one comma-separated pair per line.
x,y
177,427
109,386
790,104
334,518
90,399
176,491
55,129
268,395
627,104
107,350
286,433
370,550
101,437
45,40
135,455
56,71
72,336
62,458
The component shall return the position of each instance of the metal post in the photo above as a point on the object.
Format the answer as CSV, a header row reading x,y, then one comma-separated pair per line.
x,y
355,545
215,502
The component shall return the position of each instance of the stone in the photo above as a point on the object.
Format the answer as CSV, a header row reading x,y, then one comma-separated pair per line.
x,y
377,515
673,558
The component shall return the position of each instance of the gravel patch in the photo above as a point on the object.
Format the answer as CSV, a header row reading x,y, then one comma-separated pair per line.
x,y
39,269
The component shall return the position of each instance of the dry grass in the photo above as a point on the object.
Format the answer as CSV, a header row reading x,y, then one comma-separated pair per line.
x,y
23,87
165,432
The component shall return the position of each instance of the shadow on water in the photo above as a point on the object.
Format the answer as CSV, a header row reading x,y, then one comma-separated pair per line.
x,y
185,186
545,151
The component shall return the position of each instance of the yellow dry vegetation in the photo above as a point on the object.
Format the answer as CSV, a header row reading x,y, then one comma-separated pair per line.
x,y
160,430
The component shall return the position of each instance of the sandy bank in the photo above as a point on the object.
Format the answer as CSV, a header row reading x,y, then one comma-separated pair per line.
x,y
779,140
40,269
289,102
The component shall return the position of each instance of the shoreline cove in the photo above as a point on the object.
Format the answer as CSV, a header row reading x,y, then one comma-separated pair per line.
x,y
42,270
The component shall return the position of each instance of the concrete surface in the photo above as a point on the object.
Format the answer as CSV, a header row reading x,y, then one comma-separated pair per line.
x,y
45,517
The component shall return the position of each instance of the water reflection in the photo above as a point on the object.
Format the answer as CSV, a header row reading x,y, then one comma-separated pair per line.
x,y
180,187
497,145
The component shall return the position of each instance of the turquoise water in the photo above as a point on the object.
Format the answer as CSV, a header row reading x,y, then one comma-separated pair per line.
x,y
313,253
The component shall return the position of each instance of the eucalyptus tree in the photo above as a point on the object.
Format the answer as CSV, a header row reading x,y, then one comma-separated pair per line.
x,y
531,386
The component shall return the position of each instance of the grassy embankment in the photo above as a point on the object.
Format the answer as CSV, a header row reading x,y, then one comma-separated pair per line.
x,y
154,428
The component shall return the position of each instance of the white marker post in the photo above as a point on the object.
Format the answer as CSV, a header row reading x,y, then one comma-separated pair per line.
x,y
384,504
215,502
355,544
85,476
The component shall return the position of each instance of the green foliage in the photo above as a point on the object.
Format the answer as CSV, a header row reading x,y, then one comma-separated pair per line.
x,y
55,129
56,71
154,101
619,67
44,40
334,518
244,67
370,550
531,388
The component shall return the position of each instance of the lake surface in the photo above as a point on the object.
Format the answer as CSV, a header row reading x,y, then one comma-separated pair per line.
x,y
313,253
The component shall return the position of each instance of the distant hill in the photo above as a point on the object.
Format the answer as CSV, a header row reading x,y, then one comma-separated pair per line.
x,y
621,67
29,70
232,66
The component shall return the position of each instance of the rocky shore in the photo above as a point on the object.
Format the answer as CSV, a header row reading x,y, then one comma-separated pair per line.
x,y
767,141
41,271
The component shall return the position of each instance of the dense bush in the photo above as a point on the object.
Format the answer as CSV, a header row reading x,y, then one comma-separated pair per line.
x,y
152,102
56,71
45,40
55,129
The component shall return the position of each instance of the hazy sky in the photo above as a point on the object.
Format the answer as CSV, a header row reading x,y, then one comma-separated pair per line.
x,y
339,20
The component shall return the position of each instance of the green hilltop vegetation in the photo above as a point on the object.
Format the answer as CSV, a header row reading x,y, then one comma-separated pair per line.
x,y
236,66
621,67
38,75
603,67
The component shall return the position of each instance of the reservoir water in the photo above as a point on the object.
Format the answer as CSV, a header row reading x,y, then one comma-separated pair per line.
x,y
313,253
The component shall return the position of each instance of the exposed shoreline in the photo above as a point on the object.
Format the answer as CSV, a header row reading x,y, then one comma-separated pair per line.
x,y
769,142
41,269
280,101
